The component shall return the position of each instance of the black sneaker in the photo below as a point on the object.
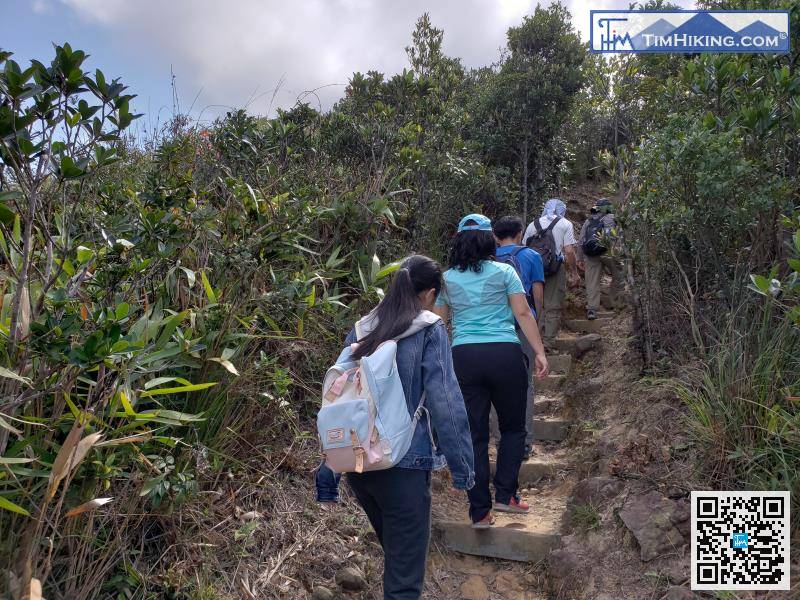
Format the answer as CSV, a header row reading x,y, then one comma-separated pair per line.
x,y
591,314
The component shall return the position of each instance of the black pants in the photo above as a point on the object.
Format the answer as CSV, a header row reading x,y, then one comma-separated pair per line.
x,y
493,374
398,504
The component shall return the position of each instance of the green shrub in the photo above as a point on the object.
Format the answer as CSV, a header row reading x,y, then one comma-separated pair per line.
x,y
743,405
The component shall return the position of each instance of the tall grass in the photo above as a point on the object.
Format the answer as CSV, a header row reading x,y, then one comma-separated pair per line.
x,y
743,406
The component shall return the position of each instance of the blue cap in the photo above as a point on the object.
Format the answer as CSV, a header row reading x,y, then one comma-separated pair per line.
x,y
481,223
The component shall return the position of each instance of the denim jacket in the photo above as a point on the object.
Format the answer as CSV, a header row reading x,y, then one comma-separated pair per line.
x,y
425,363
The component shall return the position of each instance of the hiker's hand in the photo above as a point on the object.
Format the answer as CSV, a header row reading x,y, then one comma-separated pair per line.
x,y
582,265
542,368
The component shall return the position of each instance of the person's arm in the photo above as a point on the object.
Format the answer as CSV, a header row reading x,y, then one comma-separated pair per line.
x,y
445,404
538,298
527,323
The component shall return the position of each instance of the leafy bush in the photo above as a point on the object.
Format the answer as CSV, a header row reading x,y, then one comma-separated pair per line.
x,y
155,304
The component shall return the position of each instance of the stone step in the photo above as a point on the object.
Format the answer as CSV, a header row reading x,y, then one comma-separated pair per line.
x,y
559,363
577,345
536,468
550,429
551,383
528,537
587,326
548,406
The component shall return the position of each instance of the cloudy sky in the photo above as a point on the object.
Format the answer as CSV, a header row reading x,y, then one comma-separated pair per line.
x,y
259,53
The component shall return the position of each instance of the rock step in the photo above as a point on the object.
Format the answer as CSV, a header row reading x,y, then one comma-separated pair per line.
x,y
551,383
550,429
576,345
528,537
548,406
507,542
559,363
587,326
537,468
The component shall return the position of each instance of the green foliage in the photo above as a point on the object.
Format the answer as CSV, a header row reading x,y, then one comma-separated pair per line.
x,y
707,188
155,302
520,107
743,402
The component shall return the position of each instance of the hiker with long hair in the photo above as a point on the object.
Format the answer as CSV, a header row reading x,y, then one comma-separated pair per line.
x,y
484,298
397,500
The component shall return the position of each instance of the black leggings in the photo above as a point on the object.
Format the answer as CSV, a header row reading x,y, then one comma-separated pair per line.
x,y
493,374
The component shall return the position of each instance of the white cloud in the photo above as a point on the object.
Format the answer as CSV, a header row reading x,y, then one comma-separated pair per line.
x,y
235,49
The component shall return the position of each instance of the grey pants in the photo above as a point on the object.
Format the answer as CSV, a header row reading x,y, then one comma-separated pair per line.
x,y
527,350
595,266
555,288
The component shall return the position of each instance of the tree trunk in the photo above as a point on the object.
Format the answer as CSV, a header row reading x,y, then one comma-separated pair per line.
x,y
525,187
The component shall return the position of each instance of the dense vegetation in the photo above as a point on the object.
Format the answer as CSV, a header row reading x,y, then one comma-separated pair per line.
x,y
169,304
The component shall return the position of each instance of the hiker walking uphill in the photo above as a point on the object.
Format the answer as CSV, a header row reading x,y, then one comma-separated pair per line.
x,y
485,297
391,388
553,237
595,241
528,265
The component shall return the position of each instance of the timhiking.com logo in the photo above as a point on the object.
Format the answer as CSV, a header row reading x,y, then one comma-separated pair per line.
x,y
689,31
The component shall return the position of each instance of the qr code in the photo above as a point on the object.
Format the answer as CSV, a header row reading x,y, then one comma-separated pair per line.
x,y
740,540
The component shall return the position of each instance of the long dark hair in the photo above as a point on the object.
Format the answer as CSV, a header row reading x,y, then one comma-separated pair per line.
x,y
469,248
401,304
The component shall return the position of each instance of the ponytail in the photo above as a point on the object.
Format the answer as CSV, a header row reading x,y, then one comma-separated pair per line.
x,y
401,304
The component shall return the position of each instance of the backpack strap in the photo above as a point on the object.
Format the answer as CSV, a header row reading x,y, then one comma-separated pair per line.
x,y
518,249
552,223
540,230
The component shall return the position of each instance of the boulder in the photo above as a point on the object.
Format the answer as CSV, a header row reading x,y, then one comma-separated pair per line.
x,y
656,522
351,579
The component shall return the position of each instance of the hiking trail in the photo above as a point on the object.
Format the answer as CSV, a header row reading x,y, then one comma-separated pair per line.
x,y
462,564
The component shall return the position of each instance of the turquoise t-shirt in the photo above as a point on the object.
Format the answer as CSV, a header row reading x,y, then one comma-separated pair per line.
x,y
479,301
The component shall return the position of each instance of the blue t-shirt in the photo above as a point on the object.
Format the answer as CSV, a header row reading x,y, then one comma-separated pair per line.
x,y
481,310
530,266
